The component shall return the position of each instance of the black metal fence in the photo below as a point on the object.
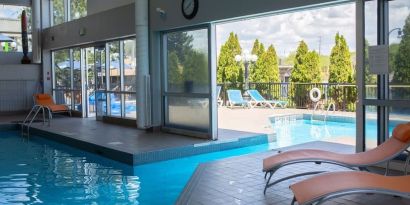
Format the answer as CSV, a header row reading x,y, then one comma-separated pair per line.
x,y
297,94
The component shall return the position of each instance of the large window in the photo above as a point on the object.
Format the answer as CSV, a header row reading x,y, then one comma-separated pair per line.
x,y
187,83
67,10
62,77
58,12
130,78
78,9
10,28
109,74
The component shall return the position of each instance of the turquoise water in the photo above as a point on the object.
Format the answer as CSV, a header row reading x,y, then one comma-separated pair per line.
x,y
41,171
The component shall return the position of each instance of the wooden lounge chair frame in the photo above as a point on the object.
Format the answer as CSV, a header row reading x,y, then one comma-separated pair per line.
x,y
338,184
359,161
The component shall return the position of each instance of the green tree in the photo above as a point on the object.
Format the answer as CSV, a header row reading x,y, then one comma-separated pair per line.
x,y
258,48
340,68
195,68
300,72
174,70
228,69
266,68
58,11
402,59
341,71
78,8
401,63
180,43
312,64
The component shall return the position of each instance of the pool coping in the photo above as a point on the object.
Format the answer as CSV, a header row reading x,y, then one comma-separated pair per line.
x,y
139,158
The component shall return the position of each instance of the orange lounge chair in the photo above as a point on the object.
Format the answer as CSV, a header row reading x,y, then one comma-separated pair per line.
x,y
319,189
47,101
390,149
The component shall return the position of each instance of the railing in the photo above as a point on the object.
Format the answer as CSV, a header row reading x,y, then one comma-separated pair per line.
x,y
344,96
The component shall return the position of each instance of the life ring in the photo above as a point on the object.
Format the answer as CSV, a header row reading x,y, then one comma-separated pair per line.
x,y
313,92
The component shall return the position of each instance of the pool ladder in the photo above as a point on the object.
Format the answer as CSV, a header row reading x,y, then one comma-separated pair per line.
x,y
31,116
331,106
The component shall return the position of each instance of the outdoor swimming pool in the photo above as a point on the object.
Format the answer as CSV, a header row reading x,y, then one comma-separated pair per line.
x,y
44,171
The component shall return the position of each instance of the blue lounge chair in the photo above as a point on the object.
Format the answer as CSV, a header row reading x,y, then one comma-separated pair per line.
x,y
258,100
218,95
235,99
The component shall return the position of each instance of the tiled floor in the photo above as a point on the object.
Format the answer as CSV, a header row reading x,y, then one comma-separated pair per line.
x,y
240,180
130,145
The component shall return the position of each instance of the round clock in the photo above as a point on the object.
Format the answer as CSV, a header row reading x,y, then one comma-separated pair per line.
x,y
189,8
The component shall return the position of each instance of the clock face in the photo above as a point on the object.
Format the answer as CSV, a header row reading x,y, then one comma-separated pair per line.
x,y
189,8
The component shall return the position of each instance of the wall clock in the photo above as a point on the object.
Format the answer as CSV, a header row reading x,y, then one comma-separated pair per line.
x,y
189,8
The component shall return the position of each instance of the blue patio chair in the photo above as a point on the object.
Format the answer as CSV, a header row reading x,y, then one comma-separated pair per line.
x,y
218,95
258,100
235,99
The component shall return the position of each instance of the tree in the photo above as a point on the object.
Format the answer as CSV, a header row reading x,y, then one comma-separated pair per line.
x,y
312,64
266,68
58,11
174,71
300,72
228,69
340,69
401,63
258,48
78,8
180,43
402,59
368,77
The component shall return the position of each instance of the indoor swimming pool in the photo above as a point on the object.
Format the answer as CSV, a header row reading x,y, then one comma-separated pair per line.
x,y
42,171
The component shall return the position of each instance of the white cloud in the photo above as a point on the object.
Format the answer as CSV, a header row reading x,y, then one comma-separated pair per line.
x,y
285,31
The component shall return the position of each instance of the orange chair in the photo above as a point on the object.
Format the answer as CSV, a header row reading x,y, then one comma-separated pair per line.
x,y
47,101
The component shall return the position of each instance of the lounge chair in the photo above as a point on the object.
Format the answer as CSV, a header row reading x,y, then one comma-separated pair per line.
x,y
218,95
390,149
235,99
319,189
47,101
259,100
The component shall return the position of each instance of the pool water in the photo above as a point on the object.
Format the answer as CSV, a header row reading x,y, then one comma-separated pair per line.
x,y
42,171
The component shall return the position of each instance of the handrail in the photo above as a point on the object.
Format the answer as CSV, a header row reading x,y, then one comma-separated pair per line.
x,y
31,116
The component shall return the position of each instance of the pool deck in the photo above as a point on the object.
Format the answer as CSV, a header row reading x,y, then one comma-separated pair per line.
x,y
240,180
132,146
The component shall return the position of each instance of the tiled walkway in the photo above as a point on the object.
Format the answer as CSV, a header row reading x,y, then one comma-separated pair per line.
x,y
133,146
240,180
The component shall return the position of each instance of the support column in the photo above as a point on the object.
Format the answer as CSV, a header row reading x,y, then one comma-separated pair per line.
x,y
142,55
36,30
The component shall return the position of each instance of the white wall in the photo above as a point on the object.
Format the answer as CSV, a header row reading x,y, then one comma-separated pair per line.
x,y
103,26
96,6
18,83
11,58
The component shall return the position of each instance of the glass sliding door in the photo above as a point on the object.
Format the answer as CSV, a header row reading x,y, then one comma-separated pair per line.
x,y
90,81
386,97
188,67
101,81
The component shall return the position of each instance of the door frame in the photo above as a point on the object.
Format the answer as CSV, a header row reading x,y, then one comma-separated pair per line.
x,y
212,131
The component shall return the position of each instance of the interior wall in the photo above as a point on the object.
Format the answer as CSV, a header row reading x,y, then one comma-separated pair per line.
x,y
96,6
103,26
18,83
8,58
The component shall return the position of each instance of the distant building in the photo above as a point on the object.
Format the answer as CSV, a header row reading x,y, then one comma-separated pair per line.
x,y
284,73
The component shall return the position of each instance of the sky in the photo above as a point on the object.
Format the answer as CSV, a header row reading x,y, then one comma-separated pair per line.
x,y
317,27
12,12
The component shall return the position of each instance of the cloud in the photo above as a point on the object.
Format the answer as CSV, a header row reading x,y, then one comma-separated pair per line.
x,y
317,27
